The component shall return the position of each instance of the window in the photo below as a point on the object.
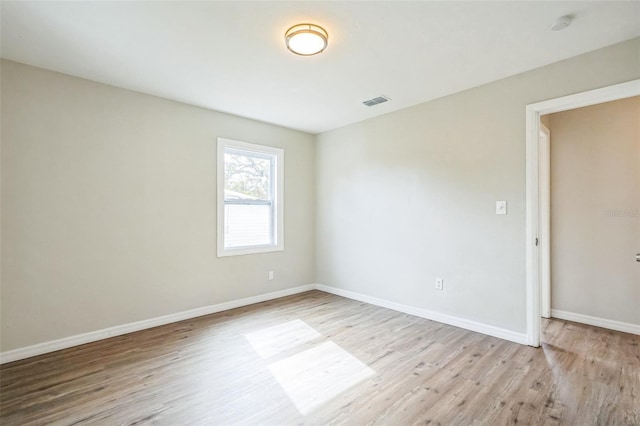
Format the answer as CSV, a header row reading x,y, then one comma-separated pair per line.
x,y
250,187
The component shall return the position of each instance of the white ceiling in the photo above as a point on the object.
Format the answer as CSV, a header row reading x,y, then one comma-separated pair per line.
x,y
231,56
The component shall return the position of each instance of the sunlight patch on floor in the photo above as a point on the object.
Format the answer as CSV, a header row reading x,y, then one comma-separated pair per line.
x,y
282,337
315,376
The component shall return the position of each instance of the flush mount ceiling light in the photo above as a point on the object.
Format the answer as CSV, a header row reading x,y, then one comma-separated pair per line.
x,y
306,39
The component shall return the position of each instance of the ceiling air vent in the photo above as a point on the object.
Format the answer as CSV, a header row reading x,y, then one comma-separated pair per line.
x,y
376,101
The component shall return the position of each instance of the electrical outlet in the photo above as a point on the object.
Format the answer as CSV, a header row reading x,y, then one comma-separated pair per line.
x,y
439,283
270,275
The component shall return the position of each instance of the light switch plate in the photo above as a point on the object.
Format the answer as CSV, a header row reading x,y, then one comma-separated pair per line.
x,y
501,207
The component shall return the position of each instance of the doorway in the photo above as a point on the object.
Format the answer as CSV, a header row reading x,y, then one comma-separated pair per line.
x,y
537,221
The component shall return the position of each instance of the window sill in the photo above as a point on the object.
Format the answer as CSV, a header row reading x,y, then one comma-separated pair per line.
x,y
249,250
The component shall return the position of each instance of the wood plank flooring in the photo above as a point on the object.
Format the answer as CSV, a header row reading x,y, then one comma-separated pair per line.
x,y
316,358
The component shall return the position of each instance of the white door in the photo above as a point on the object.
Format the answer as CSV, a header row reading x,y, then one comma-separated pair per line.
x,y
545,220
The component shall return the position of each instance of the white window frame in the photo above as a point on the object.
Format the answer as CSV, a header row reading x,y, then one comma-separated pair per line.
x,y
278,198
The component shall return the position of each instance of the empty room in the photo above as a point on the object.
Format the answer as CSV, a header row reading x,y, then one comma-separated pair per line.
x,y
320,212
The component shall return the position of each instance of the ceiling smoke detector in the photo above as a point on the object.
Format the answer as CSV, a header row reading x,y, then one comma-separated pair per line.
x,y
375,101
561,23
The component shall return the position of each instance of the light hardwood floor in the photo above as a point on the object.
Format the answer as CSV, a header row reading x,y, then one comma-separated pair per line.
x,y
316,358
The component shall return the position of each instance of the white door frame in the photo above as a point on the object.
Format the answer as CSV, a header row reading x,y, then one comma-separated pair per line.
x,y
533,216
544,232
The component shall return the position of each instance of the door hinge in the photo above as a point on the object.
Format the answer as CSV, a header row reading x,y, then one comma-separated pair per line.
x,y
537,241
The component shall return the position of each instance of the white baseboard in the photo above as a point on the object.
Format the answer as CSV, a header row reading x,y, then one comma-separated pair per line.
x,y
598,322
81,339
431,315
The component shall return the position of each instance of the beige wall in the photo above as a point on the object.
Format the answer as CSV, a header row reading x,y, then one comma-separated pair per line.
x,y
109,208
108,201
595,209
410,196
